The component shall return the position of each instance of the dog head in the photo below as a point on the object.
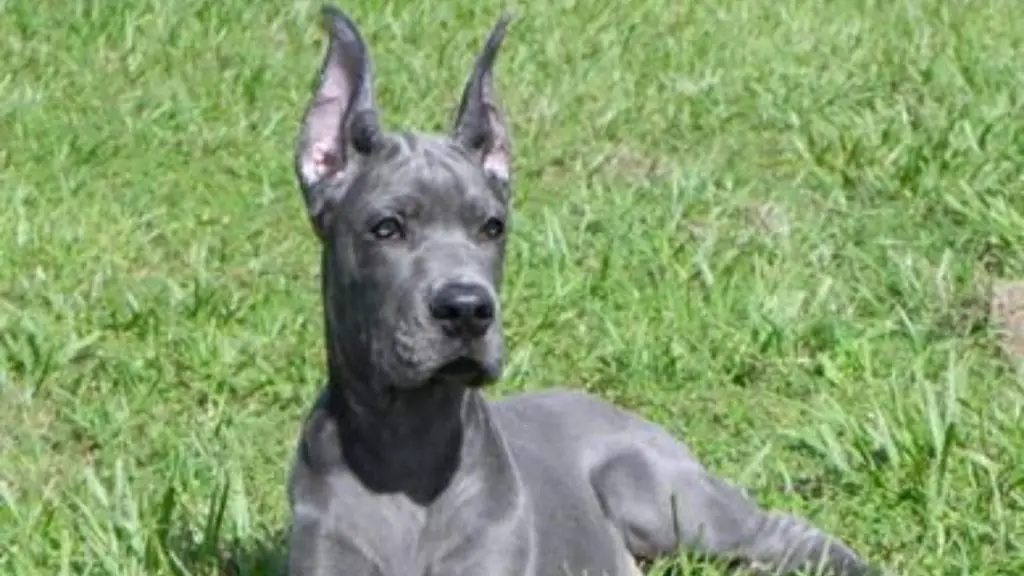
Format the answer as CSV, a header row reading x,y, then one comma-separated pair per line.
x,y
412,226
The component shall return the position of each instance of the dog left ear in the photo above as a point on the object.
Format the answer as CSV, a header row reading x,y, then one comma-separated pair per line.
x,y
341,123
480,125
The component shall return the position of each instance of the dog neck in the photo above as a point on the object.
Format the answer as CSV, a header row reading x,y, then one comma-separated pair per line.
x,y
397,440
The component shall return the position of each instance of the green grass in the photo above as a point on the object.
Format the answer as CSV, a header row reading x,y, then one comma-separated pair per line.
x,y
765,225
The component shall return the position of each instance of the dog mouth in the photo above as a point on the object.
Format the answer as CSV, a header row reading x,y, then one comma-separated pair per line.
x,y
464,369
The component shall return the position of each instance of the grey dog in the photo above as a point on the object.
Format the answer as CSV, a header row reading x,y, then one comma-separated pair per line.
x,y
403,468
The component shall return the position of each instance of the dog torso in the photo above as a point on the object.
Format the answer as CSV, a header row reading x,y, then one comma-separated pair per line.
x,y
508,514
557,449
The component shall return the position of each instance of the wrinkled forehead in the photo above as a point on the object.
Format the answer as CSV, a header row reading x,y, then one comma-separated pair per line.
x,y
430,166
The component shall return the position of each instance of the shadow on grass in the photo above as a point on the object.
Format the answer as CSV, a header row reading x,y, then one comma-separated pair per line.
x,y
215,546
261,555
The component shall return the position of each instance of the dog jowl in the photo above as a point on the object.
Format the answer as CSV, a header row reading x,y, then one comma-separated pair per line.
x,y
412,226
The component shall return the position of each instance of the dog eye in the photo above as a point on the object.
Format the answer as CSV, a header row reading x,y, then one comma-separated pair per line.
x,y
387,229
493,228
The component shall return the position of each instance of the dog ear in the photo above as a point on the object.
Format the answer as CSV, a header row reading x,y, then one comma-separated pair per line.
x,y
341,121
480,125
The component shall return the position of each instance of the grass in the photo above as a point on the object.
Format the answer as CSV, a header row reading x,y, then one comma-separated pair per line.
x,y
768,226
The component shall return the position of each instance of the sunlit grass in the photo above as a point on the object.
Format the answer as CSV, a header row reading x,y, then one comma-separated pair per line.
x,y
767,226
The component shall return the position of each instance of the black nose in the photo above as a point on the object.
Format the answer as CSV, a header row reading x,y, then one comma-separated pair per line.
x,y
463,310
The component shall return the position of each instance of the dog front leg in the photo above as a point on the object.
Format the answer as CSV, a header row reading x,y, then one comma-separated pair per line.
x,y
662,501
314,551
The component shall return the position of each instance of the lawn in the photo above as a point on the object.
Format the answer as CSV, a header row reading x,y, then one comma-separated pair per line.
x,y
771,227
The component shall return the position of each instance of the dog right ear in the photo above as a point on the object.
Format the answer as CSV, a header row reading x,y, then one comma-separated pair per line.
x,y
480,125
341,122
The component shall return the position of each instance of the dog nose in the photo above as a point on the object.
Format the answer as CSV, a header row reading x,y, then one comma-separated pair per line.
x,y
463,310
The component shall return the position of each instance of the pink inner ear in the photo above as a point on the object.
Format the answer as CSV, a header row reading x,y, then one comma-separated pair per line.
x,y
496,160
496,163
325,161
